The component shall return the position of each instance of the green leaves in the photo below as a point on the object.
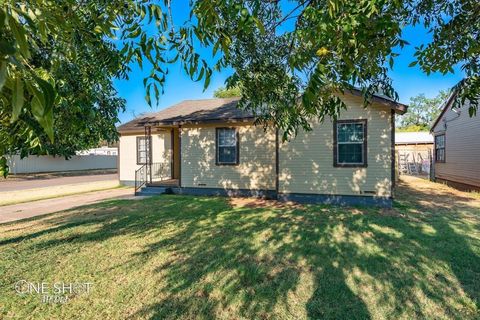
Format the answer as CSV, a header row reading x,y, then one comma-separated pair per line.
x,y
17,98
53,56
20,37
3,73
3,167
42,104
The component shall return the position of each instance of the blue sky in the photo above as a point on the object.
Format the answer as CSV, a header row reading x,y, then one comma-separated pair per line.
x,y
408,81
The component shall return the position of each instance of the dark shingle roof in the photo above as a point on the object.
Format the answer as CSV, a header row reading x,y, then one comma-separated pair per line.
x,y
191,111
216,110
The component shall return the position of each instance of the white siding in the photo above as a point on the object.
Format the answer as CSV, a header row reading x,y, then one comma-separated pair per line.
x,y
462,147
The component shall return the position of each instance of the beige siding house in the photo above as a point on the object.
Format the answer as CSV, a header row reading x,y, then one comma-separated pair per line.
x,y
457,147
209,147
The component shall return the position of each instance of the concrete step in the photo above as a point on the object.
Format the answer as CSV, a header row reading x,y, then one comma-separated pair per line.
x,y
152,191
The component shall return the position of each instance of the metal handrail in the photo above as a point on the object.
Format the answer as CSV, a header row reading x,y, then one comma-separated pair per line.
x,y
140,177
156,170
147,173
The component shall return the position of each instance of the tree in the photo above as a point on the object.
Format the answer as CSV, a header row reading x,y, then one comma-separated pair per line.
x,y
422,111
292,63
319,48
223,92
58,61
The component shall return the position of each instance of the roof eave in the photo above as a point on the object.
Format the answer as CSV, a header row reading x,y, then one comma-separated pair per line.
x,y
444,109
398,107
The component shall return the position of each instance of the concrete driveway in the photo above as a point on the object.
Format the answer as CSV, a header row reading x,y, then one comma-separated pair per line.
x,y
20,211
42,181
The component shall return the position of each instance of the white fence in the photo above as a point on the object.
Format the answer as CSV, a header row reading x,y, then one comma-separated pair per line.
x,y
35,164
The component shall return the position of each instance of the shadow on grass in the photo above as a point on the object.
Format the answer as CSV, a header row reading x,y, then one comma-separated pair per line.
x,y
336,263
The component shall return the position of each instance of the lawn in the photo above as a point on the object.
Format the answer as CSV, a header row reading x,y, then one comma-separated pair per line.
x,y
171,257
28,195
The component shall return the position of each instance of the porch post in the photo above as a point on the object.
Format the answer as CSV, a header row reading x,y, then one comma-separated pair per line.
x,y
148,147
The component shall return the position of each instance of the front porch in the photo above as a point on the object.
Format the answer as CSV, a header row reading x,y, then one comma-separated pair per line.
x,y
158,152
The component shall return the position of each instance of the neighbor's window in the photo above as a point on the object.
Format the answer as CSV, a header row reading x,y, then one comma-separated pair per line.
x,y
350,149
143,149
227,146
440,148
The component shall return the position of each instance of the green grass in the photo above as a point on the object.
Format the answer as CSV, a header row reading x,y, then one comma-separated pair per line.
x,y
184,257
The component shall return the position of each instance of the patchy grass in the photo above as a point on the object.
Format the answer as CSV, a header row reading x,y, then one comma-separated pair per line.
x,y
172,257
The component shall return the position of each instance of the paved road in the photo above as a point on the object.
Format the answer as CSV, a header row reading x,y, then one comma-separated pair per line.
x,y
24,184
36,208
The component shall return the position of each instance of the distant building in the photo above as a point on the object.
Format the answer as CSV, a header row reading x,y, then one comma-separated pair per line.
x,y
414,151
101,151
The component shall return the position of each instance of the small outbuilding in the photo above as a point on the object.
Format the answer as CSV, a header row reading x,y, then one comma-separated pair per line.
x,y
414,152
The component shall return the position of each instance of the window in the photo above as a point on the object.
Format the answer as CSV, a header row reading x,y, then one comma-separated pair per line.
x,y
227,146
350,143
440,148
143,149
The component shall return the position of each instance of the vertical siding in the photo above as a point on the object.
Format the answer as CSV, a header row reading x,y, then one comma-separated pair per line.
x,y
161,151
462,147
256,168
306,162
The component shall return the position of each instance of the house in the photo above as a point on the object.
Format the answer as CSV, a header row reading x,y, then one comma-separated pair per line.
x,y
210,147
457,146
414,152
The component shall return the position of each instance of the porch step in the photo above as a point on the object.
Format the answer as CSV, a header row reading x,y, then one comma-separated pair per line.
x,y
152,191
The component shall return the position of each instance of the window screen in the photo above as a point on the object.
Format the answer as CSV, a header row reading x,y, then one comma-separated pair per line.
x,y
227,146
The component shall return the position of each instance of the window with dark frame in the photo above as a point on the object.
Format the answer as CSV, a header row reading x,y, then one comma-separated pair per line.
x,y
142,149
440,148
350,147
227,146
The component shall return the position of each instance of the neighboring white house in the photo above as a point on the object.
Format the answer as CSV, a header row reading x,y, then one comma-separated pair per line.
x,y
101,151
457,146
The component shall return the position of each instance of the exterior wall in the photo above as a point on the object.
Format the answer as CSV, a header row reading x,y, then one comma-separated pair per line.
x,y
306,162
161,153
256,168
462,147
36,164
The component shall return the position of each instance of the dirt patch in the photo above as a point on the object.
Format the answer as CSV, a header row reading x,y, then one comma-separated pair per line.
x,y
434,195
391,212
263,203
